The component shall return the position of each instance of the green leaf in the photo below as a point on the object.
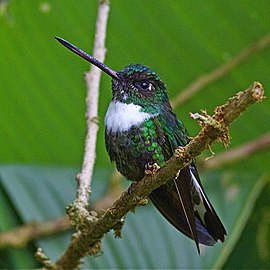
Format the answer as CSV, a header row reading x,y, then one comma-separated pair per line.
x,y
12,258
253,244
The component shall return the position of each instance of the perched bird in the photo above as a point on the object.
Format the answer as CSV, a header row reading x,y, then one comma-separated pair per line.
x,y
142,129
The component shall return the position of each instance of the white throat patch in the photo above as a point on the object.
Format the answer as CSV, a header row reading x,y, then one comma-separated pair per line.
x,y
121,116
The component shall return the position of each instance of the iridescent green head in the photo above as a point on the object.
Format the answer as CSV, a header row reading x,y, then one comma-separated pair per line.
x,y
139,85
135,84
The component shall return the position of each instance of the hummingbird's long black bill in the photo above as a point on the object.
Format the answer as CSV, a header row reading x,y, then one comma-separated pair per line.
x,y
88,57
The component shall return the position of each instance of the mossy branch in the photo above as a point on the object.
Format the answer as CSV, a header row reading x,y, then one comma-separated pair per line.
x,y
214,128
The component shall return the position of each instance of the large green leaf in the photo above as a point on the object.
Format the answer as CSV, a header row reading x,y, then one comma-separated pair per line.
x,y
12,258
253,245
148,240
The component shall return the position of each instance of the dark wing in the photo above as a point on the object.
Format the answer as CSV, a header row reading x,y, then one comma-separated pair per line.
x,y
182,201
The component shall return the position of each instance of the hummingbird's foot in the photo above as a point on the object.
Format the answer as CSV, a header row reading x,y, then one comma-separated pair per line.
x,y
131,188
139,200
151,169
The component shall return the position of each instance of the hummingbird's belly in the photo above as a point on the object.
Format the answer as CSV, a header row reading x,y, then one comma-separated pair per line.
x,y
132,150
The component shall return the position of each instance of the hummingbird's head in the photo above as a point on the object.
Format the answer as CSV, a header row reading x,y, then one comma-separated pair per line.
x,y
135,84
139,85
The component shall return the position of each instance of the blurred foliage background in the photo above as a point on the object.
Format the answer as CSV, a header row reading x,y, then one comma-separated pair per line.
x,y
42,124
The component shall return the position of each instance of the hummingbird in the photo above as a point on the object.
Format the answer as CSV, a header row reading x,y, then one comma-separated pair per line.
x,y
141,129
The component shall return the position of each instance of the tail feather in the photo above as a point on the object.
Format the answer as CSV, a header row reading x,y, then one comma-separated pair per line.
x,y
185,205
210,218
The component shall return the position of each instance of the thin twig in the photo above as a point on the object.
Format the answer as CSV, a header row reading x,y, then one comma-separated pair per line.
x,y
205,79
214,129
92,81
21,236
240,152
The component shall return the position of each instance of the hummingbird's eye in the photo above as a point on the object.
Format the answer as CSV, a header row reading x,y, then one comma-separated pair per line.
x,y
143,85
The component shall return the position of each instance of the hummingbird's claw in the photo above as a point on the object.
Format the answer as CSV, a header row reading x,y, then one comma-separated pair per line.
x,y
151,168
131,188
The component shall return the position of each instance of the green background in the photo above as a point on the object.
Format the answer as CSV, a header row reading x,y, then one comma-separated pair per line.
x,y
42,124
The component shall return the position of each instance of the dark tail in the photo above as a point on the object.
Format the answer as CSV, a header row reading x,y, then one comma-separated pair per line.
x,y
185,205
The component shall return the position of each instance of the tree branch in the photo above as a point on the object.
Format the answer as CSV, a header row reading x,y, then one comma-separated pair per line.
x,y
88,240
19,237
92,81
219,72
77,211
240,152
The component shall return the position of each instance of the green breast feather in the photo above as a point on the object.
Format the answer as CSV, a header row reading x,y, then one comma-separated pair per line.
x,y
153,141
